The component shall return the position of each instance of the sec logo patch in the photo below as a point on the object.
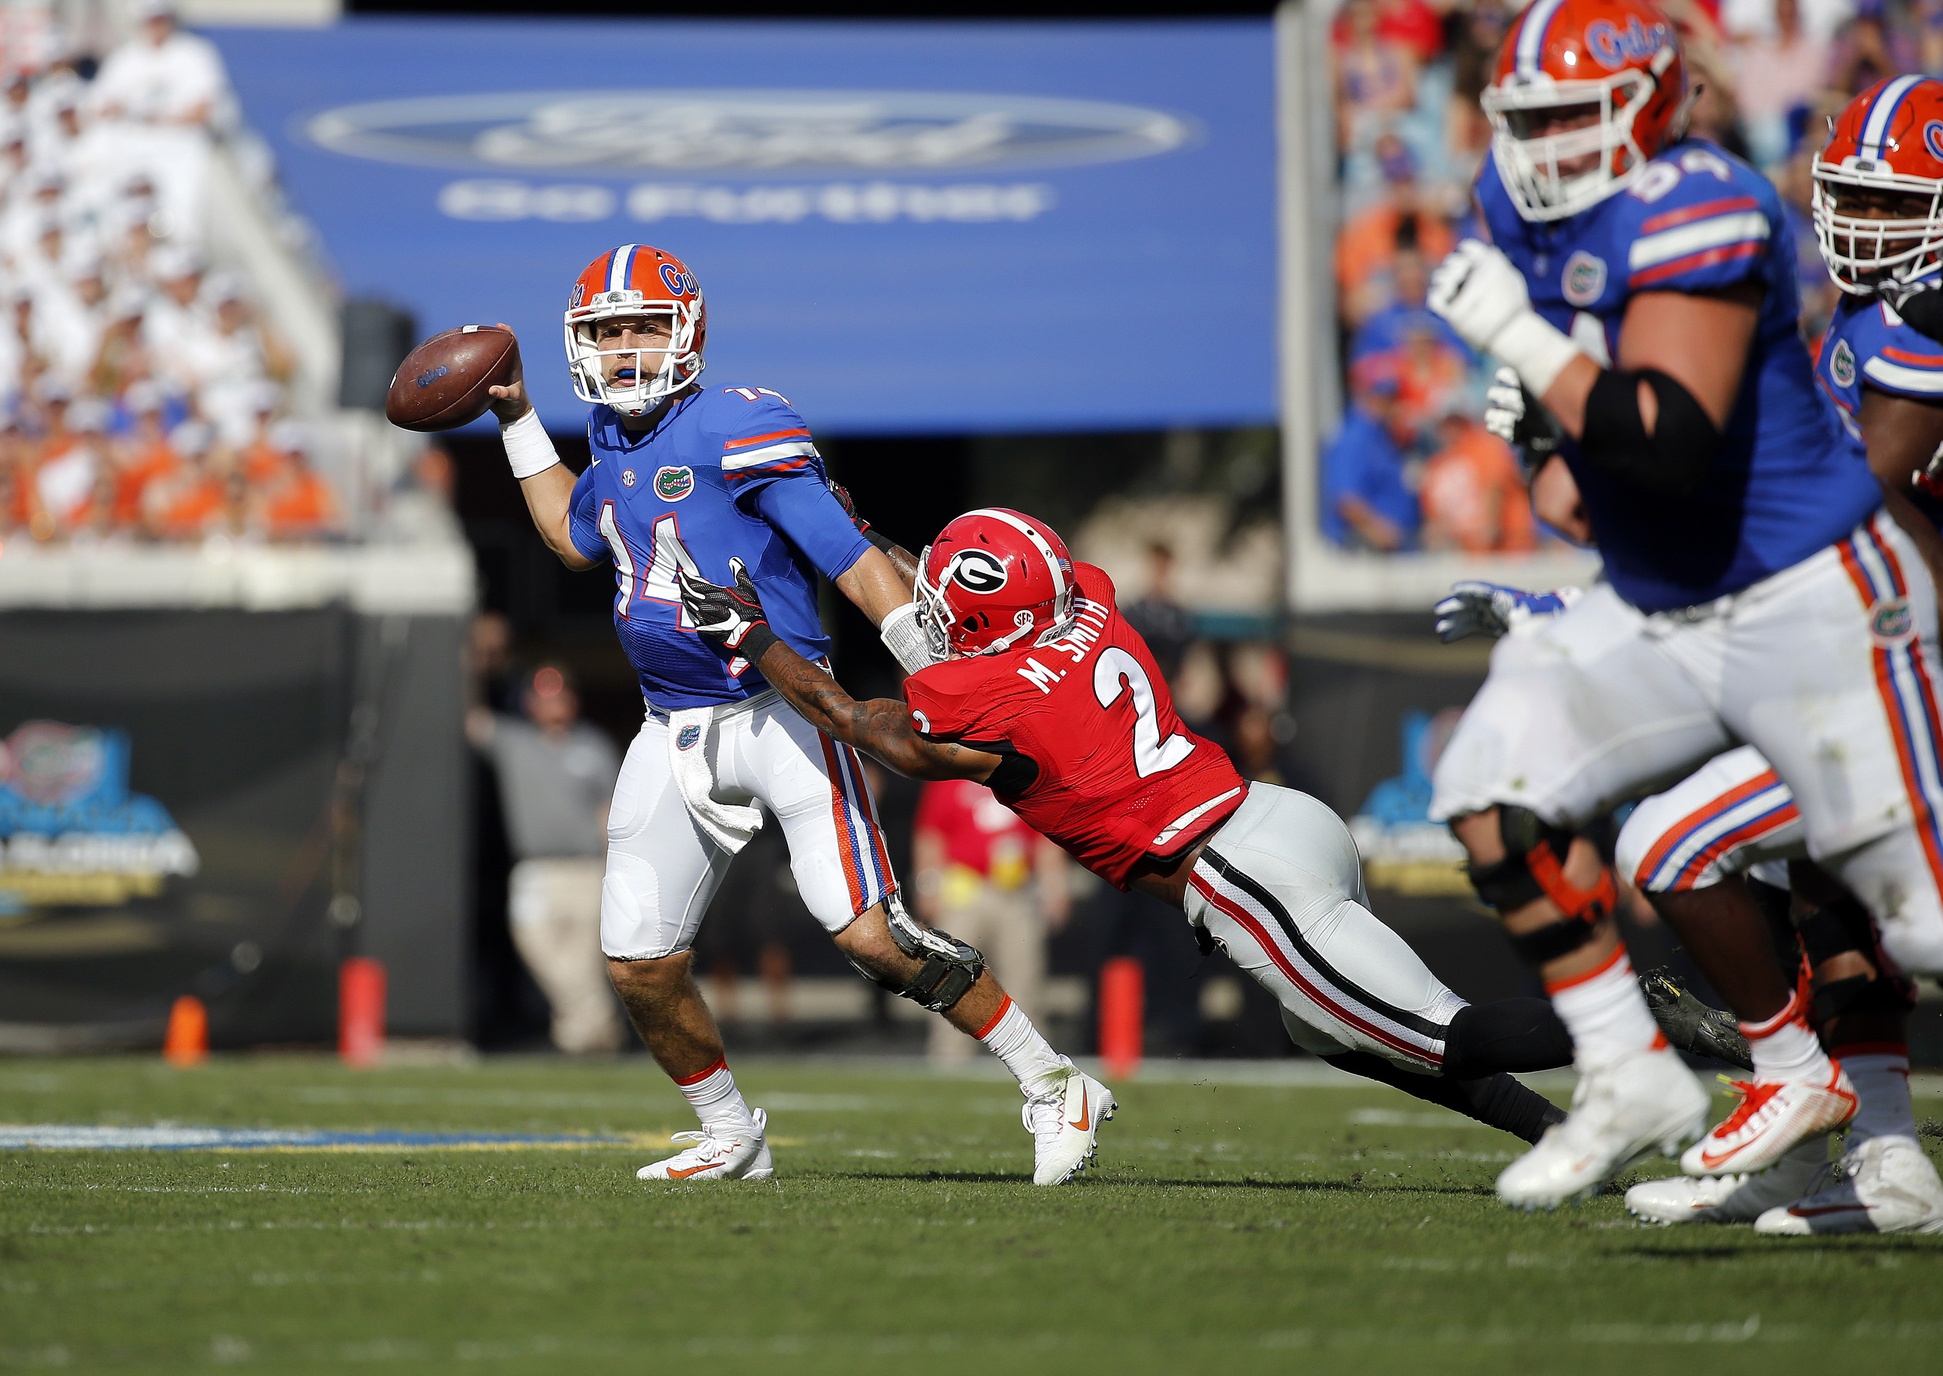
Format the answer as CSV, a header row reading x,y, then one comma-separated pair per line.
x,y
1841,364
672,484
1585,278
1891,622
627,477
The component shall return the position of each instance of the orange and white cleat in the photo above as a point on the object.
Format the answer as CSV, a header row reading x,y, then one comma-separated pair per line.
x,y
718,1154
1772,1118
1065,1125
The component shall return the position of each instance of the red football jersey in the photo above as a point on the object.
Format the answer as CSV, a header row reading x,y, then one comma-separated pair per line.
x,y
1119,778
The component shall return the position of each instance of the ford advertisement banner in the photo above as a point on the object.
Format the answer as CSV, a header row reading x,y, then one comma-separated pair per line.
x,y
905,228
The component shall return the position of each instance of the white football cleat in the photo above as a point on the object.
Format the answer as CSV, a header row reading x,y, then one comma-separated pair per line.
x,y
1772,1117
1730,1198
718,1154
1885,1185
1065,1125
1641,1103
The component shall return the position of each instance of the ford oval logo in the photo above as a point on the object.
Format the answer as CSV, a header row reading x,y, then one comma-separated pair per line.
x,y
624,133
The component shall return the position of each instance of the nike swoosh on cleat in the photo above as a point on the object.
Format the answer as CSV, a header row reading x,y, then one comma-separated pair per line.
x,y
696,1170
1085,1114
1830,1209
1709,1160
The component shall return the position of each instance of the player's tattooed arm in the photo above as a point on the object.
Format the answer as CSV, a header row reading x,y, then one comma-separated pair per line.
x,y
881,727
732,619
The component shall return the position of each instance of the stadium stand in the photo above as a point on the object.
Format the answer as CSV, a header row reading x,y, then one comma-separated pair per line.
x,y
1402,473
150,395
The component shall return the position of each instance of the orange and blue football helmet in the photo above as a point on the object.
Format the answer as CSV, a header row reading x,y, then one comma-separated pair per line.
x,y
635,280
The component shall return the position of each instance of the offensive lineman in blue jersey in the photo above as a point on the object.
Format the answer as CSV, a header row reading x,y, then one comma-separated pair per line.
x,y
726,483
1641,288
1718,850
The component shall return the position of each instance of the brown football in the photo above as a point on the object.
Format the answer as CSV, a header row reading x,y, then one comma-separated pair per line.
x,y
442,383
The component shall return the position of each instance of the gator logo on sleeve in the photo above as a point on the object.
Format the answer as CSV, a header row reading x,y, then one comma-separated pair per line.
x,y
1841,364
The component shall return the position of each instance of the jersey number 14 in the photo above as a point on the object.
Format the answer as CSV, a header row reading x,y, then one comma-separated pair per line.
x,y
665,556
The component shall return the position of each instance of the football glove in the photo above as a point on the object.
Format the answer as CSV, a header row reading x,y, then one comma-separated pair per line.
x,y
1493,609
1515,417
1481,294
730,618
849,505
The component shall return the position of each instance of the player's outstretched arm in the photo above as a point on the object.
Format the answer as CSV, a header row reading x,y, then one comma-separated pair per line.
x,y
902,560
733,618
545,482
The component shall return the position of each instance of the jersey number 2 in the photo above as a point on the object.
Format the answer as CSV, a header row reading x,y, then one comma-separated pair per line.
x,y
1116,672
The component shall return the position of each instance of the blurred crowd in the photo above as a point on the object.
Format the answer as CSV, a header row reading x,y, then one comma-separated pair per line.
x,y
1411,468
142,397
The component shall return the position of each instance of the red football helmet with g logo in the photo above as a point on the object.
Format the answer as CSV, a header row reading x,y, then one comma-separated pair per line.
x,y
1585,93
992,578
635,280
1879,187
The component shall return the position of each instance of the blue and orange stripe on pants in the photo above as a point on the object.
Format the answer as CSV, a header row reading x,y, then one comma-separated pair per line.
x,y
860,839
1908,695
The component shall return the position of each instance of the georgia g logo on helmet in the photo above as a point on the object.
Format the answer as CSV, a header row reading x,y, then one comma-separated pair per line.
x,y
977,570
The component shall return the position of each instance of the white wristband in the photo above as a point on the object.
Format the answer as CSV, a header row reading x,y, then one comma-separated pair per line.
x,y
1535,349
528,449
904,637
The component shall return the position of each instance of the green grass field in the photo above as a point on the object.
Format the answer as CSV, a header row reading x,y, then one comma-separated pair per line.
x,y
1229,1227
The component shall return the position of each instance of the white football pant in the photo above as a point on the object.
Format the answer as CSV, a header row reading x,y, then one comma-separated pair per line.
x,y
1280,887
1828,669
662,869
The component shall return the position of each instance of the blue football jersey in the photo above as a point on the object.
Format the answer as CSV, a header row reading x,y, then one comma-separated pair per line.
x,y
1784,483
726,471
1867,345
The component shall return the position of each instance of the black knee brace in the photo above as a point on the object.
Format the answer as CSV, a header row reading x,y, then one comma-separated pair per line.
x,y
1834,929
1534,867
950,966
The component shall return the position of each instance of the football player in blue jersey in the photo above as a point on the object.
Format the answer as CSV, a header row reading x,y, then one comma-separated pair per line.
x,y
1640,283
1878,217
717,481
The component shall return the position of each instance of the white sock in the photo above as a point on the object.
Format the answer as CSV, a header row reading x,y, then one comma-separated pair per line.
x,y
1605,1013
716,1100
1784,1048
1013,1039
1880,1073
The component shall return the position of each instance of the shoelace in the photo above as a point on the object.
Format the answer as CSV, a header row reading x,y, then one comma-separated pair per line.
x,y
701,1138
1754,1097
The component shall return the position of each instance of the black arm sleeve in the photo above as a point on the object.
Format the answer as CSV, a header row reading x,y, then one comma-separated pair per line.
x,y
1674,459
1922,311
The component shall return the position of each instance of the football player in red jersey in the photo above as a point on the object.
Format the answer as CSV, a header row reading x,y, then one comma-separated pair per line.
x,y
1045,694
